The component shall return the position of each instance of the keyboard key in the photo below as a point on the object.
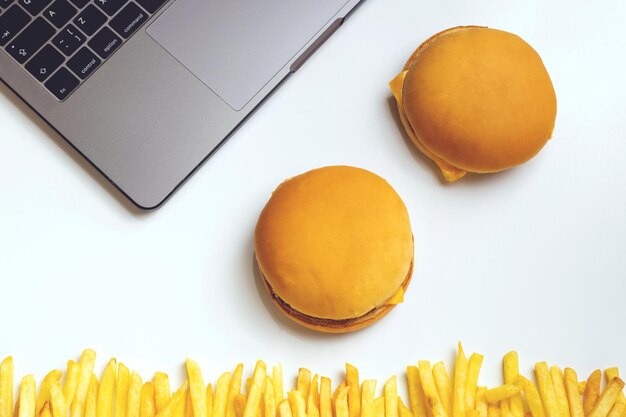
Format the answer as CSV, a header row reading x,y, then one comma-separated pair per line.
x,y
30,40
69,40
62,83
110,7
105,42
11,22
151,5
90,20
128,20
34,7
5,3
45,63
59,13
83,63
80,3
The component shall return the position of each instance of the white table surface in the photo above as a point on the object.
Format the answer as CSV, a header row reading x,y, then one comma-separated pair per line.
x,y
532,259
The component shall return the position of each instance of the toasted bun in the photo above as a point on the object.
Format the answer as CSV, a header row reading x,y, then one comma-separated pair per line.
x,y
335,248
476,99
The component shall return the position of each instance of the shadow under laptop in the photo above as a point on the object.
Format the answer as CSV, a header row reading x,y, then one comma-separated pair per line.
x,y
69,150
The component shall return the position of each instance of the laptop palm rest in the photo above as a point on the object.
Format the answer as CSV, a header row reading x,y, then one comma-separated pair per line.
x,y
235,47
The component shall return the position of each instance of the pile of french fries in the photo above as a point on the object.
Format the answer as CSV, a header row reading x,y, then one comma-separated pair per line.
x,y
431,393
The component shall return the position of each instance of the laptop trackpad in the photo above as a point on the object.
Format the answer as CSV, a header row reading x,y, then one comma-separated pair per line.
x,y
236,46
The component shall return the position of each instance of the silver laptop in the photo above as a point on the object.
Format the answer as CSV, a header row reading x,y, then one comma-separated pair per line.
x,y
147,90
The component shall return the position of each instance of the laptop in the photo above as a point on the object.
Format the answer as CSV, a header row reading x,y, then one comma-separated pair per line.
x,y
147,90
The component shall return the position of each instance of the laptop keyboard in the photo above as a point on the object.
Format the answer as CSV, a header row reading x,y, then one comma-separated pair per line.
x,y
62,42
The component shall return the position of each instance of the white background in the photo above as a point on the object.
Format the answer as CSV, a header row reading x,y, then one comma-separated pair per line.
x,y
532,259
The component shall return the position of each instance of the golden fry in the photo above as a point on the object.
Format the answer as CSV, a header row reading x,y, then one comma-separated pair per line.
x,y
277,380
582,386
493,411
209,400
379,407
44,389
511,372
619,409
416,393
368,391
592,391
430,390
313,402
505,410
481,402
197,389
573,394
473,369
6,387
189,403
403,410
133,403
532,397
354,395
240,404
460,379
390,390
105,392
221,395
57,400
162,393
472,413
341,402
607,399
86,363
172,405
71,382
611,373
28,397
337,390
147,408
233,390
284,410
303,385
91,401
121,390
296,401
444,386
559,389
269,399
256,391
502,392
326,407
546,389
45,410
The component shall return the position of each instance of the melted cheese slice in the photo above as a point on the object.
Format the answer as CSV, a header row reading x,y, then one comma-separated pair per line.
x,y
397,298
450,173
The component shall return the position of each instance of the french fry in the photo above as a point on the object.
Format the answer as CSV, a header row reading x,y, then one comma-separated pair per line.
x,y
582,386
505,410
606,401
57,400
240,404
44,389
209,400
472,413
559,389
444,386
368,390
253,401
430,390
460,380
104,404
341,402
269,399
296,401
189,403
532,397
403,411
71,382
277,381
28,397
171,407
493,411
390,390
248,384
6,387
284,410
221,395
121,390
573,394
510,366
481,402
503,392
91,401
546,389
611,373
303,385
162,393
379,407
313,402
45,410
147,408
133,403
326,407
619,409
197,389
416,393
473,369
233,390
86,363
592,391
337,390
354,394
